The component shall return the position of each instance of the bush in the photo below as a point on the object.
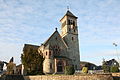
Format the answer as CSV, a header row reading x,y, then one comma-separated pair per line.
x,y
114,69
69,70
106,68
85,69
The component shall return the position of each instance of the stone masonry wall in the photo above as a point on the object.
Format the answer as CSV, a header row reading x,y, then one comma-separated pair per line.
x,y
60,77
116,74
71,77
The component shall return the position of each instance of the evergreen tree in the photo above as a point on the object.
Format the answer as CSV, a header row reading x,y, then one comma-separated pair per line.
x,y
32,61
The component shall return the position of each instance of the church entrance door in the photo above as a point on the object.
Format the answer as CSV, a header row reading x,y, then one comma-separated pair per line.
x,y
60,66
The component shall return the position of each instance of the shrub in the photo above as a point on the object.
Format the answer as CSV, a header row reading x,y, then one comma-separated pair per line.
x,y
69,70
114,69
85,69
106,68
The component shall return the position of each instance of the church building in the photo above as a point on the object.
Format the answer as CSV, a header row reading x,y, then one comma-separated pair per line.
x,y
62,49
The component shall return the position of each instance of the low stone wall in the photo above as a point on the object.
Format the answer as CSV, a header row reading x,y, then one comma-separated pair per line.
x,y
71,77
12,77
61,77
116,74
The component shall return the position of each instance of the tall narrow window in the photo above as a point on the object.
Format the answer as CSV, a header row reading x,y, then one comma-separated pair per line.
x,y
60,66
56,38
69,29
72,38
68,22
73,23
74,30
50,53
50,65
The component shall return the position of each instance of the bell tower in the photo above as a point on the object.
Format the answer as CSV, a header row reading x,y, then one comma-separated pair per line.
x,y
69,24
69,33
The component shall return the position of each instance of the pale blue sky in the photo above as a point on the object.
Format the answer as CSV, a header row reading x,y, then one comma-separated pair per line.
x,y
33,21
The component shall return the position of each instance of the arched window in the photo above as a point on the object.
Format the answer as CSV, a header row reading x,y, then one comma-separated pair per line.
x,y
72,38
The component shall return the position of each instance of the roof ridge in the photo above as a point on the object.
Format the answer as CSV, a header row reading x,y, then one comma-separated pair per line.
x,y
59,36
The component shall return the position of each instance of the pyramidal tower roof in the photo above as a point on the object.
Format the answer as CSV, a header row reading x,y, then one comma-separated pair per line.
x,y
68,13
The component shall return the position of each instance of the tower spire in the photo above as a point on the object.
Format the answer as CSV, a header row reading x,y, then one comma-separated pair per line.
x,y
68,5
56,29
68,8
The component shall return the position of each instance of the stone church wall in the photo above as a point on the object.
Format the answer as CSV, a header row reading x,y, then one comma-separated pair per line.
x,y
71,77
59,77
